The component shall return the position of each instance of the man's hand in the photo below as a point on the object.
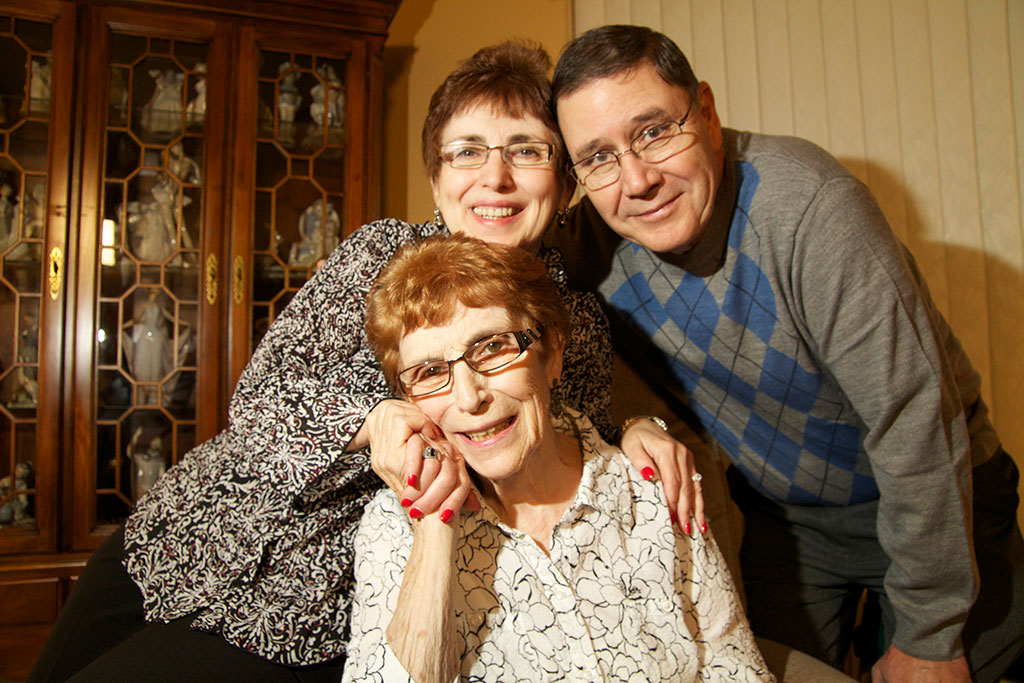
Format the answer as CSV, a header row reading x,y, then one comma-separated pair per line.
x,y
896,666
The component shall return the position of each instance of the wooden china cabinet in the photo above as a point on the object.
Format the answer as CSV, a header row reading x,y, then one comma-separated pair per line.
x,y
169,174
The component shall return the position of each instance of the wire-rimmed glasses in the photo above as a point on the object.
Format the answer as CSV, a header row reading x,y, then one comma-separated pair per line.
x,y
528,154
486,355
655,144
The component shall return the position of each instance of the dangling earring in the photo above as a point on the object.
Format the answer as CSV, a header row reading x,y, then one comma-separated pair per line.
x,y
561,216
438,218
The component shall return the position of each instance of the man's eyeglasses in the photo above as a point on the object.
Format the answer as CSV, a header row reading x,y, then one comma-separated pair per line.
x,y
655,144
518,154
487,355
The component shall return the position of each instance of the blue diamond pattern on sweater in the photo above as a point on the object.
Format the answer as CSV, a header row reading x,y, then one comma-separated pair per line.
x,y
694,309
730,383
636,301
750,300
839,444
785,381
779,452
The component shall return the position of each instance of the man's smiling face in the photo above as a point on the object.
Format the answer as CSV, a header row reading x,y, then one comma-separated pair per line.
x,y
663,206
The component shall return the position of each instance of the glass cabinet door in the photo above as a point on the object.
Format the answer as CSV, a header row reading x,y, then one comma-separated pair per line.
x,y
295,156
31,283
154,269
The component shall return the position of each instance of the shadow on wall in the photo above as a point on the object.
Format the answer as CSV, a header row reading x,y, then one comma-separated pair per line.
x,y
985,304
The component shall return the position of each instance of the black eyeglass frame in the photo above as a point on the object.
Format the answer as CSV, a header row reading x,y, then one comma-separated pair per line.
x,y
525,339
631,149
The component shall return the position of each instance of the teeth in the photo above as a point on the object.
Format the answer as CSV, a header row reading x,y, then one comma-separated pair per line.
x,y
488,433
494,211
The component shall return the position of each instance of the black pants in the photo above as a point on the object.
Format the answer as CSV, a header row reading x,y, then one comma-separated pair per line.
x,y
101,636
803,586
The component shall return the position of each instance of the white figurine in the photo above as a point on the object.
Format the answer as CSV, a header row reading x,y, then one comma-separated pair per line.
x,y
25,390
162,114
34,211
182,167
328,99
154,224
39,87
147,465
288,97
8,224
147,345
195,112
314,240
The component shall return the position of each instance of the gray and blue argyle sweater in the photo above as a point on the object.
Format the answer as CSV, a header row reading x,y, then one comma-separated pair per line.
x,y
799,331
800,334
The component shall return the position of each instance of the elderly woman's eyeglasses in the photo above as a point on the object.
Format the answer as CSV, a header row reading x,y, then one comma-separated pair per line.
x,y
519,154
655,144
487,355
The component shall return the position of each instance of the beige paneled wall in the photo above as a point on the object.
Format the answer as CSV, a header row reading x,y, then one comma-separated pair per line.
x,y
922,100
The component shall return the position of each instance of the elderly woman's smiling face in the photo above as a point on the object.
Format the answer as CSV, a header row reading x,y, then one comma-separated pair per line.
x,y
499,202
496,420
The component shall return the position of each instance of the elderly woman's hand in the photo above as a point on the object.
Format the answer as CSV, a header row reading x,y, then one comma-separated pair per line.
x,y
654,452
398,435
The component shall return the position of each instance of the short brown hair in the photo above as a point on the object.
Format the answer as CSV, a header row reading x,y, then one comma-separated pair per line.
x,y
512,77
424,282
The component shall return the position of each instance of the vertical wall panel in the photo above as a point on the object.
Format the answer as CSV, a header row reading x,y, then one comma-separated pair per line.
x,y
810,104
965,269
842,77
921,99
912,59
774,69
741,64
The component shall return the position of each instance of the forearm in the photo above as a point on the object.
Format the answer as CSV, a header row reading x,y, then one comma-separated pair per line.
x,y
422,631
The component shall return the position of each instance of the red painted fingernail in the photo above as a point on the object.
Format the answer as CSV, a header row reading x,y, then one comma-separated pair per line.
x,y
687,529
704,528
412,480
647,473
415,513
673,517
406,502
446,515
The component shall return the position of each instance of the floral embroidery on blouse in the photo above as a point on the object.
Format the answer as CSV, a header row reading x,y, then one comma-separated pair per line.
x,y
252,530
624,595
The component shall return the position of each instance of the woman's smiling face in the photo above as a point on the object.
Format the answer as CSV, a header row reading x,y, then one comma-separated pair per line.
x,y
499,420
499,202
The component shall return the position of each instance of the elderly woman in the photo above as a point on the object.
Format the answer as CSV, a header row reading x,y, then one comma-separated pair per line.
x,y
572,566
241,555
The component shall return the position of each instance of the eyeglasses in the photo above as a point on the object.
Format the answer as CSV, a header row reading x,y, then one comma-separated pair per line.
x,y
519,154
654,145
487,355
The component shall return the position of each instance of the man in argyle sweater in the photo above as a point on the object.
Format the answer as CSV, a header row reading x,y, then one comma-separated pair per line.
x,y
757,281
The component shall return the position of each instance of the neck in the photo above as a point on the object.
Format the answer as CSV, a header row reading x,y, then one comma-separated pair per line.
x,y
534,500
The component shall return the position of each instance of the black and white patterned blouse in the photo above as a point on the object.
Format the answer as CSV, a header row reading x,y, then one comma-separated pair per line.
x,y
623,596
252,530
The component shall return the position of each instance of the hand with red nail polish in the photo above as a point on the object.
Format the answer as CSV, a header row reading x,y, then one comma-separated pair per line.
x,y
657,455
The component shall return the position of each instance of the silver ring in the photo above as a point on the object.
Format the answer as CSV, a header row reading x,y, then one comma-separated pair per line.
x,y
429,453
696,477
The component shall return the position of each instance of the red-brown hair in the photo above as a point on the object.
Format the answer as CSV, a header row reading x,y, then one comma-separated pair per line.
x,y
425,281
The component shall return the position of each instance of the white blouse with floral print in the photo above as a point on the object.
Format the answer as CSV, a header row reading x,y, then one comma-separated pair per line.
x,y
623,596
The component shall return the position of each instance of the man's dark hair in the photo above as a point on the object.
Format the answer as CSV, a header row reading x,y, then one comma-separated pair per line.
x,y
609,50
